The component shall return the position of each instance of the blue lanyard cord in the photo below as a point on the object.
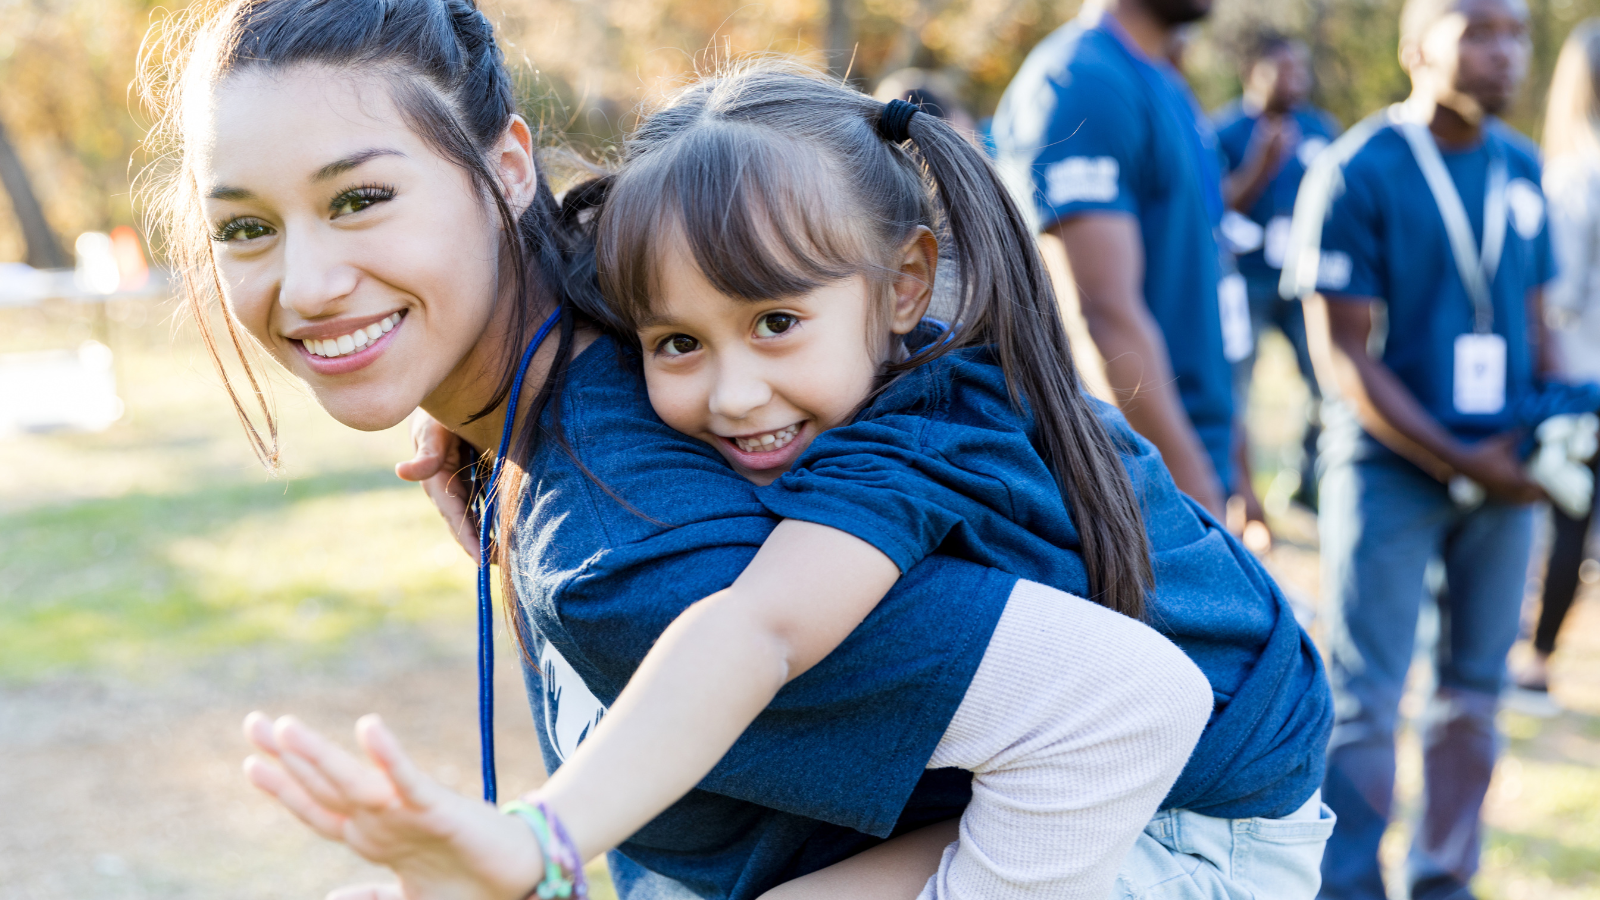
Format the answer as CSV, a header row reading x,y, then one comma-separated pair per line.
x,y
1207,168
487,513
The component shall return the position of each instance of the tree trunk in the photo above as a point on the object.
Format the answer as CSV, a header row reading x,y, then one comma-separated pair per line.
x,y
44,251
841,47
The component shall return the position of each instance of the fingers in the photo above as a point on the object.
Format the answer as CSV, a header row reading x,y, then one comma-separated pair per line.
x,y
414,788
258,731
329,774
367,892
434,446
270,779
449,496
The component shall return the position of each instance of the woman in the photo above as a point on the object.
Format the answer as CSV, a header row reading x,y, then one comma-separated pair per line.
x,y
378,225
1572,189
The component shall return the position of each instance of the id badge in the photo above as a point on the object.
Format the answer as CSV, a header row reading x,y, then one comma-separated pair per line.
x,y
1233,300
1276,245
1480,388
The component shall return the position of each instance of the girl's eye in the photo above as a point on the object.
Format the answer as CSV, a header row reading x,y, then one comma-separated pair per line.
x,y
357,199
243,229
774,324
677,345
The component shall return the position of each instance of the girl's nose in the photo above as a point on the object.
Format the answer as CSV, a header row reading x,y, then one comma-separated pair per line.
x,y
739,391
315,277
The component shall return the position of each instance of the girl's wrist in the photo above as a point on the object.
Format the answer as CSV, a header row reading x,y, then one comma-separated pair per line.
x,y
559,867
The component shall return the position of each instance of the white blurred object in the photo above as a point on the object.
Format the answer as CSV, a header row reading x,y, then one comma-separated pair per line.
x,y
1559,465
1465,492
58,389
96,272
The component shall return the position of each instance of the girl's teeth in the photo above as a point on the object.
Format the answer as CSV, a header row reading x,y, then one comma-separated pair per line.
x,y
355,340
770,441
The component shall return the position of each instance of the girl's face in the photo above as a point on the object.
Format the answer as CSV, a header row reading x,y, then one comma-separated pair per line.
x,y
760,380
363,261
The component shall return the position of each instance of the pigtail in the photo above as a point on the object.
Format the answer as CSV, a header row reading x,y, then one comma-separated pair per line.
x,y
1005,299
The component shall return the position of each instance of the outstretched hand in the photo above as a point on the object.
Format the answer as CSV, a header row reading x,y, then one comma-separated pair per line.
x,y
439,464
440,844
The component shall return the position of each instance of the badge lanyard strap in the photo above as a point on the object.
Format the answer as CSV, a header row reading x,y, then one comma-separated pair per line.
x,y
1477,267
488,500
1207,167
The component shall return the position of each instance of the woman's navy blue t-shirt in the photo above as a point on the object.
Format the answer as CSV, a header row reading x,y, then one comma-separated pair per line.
x,y
838,760
943,462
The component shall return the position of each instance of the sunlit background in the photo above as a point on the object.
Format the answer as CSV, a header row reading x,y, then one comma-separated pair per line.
x,y
156,584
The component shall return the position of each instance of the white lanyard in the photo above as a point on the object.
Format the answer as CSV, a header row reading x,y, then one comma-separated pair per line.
x,y
1477,267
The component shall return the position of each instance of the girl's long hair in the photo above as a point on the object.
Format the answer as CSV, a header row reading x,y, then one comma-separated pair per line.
x,y
778,181
448,79
1572,116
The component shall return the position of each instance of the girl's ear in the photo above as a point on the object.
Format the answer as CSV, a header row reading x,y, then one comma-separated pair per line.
x,y
913,283
514,164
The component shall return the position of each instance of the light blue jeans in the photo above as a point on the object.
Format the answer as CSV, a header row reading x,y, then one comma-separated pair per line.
x,y
1183,855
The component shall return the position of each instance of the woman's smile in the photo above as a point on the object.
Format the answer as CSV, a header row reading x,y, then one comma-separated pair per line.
x,y
351,344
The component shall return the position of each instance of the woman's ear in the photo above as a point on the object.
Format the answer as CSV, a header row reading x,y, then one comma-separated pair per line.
x,y
514,163
913,283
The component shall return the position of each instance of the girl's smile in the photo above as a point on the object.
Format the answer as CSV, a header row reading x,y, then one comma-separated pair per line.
x,y
335,348
768,452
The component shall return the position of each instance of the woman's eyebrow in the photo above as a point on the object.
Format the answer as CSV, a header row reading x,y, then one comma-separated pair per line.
x,y
345,164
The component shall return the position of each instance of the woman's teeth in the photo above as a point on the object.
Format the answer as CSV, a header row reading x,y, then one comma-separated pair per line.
x,y
355,340
772,440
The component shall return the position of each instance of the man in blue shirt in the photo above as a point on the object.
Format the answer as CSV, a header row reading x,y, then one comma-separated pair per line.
x,y
1101,140
1420,246
1269,137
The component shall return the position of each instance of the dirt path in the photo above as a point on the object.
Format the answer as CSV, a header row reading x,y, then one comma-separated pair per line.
x,y
114,789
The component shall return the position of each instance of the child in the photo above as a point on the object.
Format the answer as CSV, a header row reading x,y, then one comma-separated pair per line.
x,y
772,238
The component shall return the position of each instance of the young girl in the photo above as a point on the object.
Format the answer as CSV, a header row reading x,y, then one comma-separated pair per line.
x,y
351,181
771,239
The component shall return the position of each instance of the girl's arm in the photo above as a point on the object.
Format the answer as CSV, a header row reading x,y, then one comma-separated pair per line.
x,y
711,673
714,669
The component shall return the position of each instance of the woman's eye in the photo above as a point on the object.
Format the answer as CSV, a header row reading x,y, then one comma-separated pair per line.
x,y
357,199
774,324
677,345
241,230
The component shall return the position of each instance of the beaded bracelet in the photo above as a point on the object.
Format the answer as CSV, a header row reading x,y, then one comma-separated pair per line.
x,y
563,869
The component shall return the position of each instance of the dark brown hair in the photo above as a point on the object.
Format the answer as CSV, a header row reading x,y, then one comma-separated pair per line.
x,y
778,182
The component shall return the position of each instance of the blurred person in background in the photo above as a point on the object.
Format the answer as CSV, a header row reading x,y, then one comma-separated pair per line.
x,y
932,92
1102,141
1269,137
1433,345
1572,304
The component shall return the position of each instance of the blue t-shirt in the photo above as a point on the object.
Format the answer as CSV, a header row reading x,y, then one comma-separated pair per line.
x,y
1090,125
838,759
943,462
1382,237
1274,208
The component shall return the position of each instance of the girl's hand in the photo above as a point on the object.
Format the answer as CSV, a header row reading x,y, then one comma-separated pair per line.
x,y
439,843
440,465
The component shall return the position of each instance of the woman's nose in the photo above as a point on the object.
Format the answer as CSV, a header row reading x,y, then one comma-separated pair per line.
x,y
315,275
739,391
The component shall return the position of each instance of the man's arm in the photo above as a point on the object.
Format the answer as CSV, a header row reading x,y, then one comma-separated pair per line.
x,y
1106,256
1270,143
1337,332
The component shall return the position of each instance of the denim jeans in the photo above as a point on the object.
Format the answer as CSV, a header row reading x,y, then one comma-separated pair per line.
x,y
1183,855
1382,522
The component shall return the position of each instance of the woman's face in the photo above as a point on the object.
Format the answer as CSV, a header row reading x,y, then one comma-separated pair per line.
x,y
363,261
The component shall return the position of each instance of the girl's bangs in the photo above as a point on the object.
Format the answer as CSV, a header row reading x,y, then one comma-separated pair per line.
x,y
761,215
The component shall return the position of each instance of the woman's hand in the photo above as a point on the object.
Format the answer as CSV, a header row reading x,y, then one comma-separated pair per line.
x,y
440,462
440,844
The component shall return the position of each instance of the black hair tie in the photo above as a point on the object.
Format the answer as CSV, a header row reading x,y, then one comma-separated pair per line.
x,y
895,119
